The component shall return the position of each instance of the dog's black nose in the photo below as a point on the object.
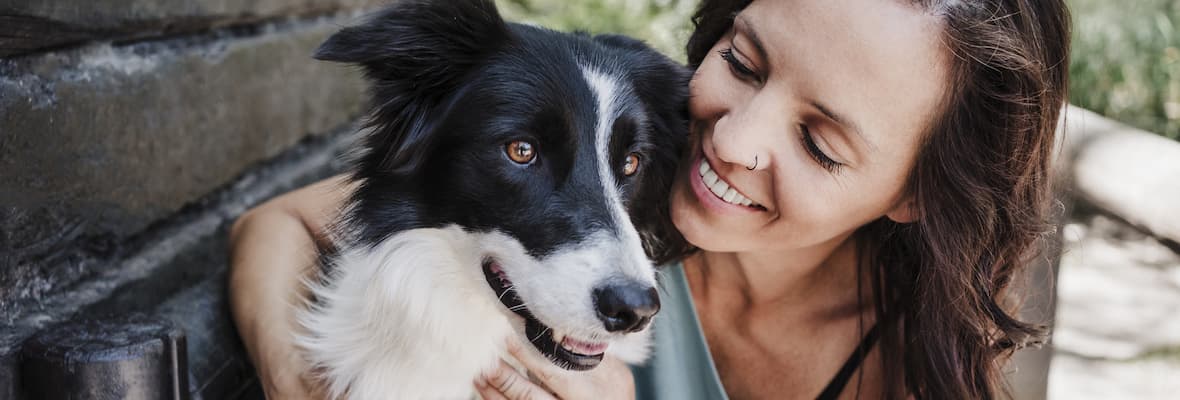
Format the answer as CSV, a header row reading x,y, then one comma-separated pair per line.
x,y
626,307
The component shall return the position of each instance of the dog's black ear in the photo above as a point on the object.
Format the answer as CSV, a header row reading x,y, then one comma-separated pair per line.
x,y
416,54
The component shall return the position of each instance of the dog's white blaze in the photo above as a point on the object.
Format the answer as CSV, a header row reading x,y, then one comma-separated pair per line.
x,y
606,90
558,289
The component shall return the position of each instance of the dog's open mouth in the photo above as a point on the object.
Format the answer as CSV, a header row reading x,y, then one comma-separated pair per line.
x,y
564,351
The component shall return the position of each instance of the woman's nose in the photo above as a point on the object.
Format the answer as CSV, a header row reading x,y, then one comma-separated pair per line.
x,y
745,137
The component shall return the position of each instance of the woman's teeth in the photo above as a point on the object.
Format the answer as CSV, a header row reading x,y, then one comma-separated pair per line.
x,y
720,188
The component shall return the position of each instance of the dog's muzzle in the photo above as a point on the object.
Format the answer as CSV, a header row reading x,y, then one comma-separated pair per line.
x,y
622,307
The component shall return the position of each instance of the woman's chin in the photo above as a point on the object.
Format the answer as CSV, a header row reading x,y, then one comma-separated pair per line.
x,y
701,227
701,234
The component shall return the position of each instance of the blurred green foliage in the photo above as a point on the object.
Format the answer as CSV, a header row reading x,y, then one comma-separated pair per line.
x,y
663,24
1125,63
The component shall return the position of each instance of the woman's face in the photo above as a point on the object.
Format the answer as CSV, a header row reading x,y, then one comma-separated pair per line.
x,y
832,98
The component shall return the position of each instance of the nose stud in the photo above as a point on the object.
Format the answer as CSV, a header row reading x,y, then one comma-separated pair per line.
x,y
755,163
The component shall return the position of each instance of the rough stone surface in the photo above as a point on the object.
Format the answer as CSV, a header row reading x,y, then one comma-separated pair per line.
x,y
9,372
100,142
29,25
126,356
178,272
218,363
1118,319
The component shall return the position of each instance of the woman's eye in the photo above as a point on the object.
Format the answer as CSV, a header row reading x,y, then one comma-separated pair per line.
x,y
631,164
738,68
818,155
521,152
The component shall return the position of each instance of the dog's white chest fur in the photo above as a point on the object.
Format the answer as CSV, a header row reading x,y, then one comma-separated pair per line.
x,y
413,314
414,317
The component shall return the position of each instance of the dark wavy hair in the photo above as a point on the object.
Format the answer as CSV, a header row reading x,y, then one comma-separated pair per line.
x,y
981,185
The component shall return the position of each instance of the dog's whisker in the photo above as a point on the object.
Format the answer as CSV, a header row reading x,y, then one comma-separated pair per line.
x,y
510,288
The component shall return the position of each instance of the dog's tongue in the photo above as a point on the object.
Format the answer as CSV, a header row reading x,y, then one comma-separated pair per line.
x,y
583,348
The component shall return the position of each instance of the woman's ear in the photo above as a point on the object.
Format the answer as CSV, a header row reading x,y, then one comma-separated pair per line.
x,y
906,211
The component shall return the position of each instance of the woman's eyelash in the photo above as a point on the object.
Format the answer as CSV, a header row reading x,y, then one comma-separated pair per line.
x,y
818,155
808,142
736,65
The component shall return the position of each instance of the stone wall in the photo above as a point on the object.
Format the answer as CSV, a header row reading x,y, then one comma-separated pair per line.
x,y
133,132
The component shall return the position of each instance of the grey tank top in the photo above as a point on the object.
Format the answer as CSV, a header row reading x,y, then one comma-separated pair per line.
x,y
681,366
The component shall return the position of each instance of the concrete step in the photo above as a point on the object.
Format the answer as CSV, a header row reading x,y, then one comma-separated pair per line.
x,y
28,26
176,271
100,142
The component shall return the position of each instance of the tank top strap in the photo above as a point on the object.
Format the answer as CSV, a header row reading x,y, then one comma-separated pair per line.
x,y
836,385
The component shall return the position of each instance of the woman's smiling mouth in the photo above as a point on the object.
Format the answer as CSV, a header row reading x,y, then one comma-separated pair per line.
x,y
715,192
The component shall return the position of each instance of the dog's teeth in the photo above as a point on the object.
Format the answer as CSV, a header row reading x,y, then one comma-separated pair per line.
x,y
558,337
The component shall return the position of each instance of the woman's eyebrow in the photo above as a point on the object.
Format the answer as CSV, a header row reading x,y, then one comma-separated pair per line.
x,y
742,25
840,119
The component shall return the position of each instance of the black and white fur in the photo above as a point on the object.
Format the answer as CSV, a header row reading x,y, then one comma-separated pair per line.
x,y
444,232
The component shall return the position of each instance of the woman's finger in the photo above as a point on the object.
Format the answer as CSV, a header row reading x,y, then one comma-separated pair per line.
x,y
487,392
611,379
506,381
541,369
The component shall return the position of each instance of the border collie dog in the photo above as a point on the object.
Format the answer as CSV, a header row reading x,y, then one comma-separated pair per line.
x,y
509,182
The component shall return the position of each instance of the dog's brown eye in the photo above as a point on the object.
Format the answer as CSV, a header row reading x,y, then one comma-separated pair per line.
x,y
631,165
521,152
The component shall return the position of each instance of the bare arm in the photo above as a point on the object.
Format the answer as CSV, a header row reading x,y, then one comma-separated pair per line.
x,y
273,247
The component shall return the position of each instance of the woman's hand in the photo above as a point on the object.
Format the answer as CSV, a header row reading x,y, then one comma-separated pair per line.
x,y
609,380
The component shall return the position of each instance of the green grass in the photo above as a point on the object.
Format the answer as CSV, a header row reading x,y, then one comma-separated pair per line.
x,y
1125,64
1126,61
1170,353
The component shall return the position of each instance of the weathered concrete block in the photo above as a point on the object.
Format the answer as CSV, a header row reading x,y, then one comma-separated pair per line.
x,y
28,25
175,270
99,142
130,356
9,367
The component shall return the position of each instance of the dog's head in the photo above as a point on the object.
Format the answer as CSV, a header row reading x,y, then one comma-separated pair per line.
x,y
562,146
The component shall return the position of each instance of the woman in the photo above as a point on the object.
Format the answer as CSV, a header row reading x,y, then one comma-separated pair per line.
x,y
898,152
